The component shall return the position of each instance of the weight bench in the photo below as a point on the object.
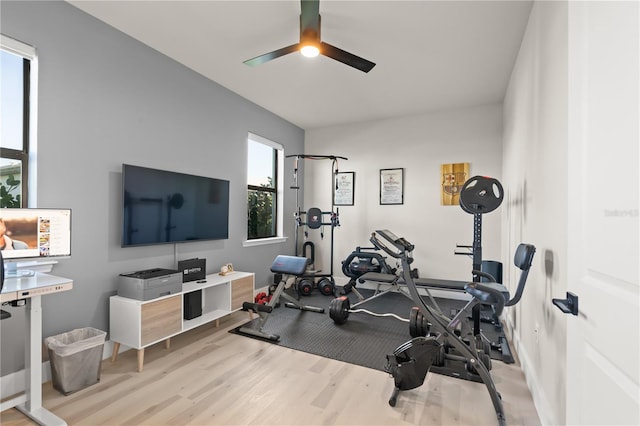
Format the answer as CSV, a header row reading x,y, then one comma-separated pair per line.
x,y
395,283
502,345
285,265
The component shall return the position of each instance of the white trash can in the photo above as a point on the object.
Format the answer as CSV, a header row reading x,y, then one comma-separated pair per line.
x,y
75,358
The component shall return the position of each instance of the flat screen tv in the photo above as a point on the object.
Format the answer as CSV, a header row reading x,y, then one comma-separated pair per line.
x,y
161,207
35,233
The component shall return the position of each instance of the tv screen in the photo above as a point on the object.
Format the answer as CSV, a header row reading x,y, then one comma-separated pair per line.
x,y
35,233
162,207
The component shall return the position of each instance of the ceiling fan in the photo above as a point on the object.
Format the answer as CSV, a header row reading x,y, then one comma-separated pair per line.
x,y
310,44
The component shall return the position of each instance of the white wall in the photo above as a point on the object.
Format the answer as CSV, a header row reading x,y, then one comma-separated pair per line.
x,y
419,144
535,175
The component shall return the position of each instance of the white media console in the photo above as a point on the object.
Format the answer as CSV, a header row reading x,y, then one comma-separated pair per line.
x,y
142,323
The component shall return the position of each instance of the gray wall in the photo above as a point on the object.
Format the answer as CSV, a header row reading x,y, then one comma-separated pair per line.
x,y
106,99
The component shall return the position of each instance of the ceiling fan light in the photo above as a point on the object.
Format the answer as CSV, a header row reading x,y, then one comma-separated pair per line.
x,y
309,51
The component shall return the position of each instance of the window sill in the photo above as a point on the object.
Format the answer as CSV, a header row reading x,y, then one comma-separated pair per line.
x,y
263,241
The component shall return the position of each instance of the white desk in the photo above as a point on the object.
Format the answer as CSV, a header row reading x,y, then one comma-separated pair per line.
x,y
32,289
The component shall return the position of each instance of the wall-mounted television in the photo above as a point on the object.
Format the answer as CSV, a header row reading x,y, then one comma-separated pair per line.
x,y
161,207
35,233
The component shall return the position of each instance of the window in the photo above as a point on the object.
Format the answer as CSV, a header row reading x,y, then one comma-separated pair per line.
x,y
17,63
265,160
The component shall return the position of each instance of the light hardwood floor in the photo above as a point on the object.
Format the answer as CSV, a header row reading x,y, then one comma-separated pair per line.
x,y
212,377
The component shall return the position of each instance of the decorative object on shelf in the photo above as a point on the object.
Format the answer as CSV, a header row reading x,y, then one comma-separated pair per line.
x,y
452,176
344,189
391,186
226,269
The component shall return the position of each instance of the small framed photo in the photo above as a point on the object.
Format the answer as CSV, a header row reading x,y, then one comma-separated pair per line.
x,y
344,189
391,186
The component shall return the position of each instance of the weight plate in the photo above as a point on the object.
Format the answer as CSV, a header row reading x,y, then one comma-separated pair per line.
x,y
339,309
481,195
326,287
413,322
418,324
305,286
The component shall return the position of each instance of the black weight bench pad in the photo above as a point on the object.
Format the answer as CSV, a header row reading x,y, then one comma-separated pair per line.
x,y
419,282
378,277
292,265
440,284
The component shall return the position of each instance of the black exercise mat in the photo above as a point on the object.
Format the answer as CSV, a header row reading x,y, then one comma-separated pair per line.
x,y
363,340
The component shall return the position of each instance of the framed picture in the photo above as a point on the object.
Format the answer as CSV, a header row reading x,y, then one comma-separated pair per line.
x,y
391,186
452,178
344,189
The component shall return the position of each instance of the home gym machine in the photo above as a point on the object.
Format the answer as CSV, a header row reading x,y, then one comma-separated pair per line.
x,y
314,219
359,262
282,267
479,195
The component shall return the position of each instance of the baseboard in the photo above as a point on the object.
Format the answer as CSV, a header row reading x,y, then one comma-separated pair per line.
x,y
15,383
540,401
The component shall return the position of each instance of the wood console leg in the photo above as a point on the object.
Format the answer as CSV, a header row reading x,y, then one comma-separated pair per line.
x,y
217,323
140,359
114,354
167,343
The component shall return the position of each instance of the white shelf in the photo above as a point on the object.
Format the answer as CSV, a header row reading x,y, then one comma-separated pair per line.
x,y
205,318
128,322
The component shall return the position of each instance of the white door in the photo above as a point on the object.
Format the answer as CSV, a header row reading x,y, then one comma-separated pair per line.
x,y
603,359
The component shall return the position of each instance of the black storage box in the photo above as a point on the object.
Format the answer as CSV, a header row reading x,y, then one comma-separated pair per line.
x,y
192,304
192,269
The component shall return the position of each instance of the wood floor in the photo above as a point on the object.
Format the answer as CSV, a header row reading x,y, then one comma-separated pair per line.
x,y
212,377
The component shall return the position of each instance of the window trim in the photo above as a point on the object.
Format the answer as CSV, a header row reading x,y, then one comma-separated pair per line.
x,y
279,191
30,117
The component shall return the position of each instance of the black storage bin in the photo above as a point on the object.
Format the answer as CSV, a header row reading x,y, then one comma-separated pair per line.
x,y
192,304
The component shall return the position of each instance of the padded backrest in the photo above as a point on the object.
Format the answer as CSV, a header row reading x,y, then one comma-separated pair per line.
x,y
292,265
314,218
522,259
524,256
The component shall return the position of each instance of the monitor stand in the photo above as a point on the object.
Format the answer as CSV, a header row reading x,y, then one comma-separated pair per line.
x,y
11,271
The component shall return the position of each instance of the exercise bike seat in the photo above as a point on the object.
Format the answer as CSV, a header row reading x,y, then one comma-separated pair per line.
x,y
496,294
292,265
493,294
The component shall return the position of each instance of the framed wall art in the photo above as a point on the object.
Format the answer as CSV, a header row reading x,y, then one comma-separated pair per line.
x,y
343,191
391,186
452,178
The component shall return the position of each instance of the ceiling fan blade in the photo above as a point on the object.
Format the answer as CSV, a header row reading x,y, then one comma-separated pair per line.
x,y
310,16
272,55
346,57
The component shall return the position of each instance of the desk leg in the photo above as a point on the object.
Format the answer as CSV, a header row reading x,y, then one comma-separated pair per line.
x,y
33,367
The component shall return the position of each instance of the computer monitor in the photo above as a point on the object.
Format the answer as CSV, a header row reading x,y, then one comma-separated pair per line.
x,y
31,234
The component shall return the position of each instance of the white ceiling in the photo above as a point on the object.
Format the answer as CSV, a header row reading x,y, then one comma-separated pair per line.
x,y
430,55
